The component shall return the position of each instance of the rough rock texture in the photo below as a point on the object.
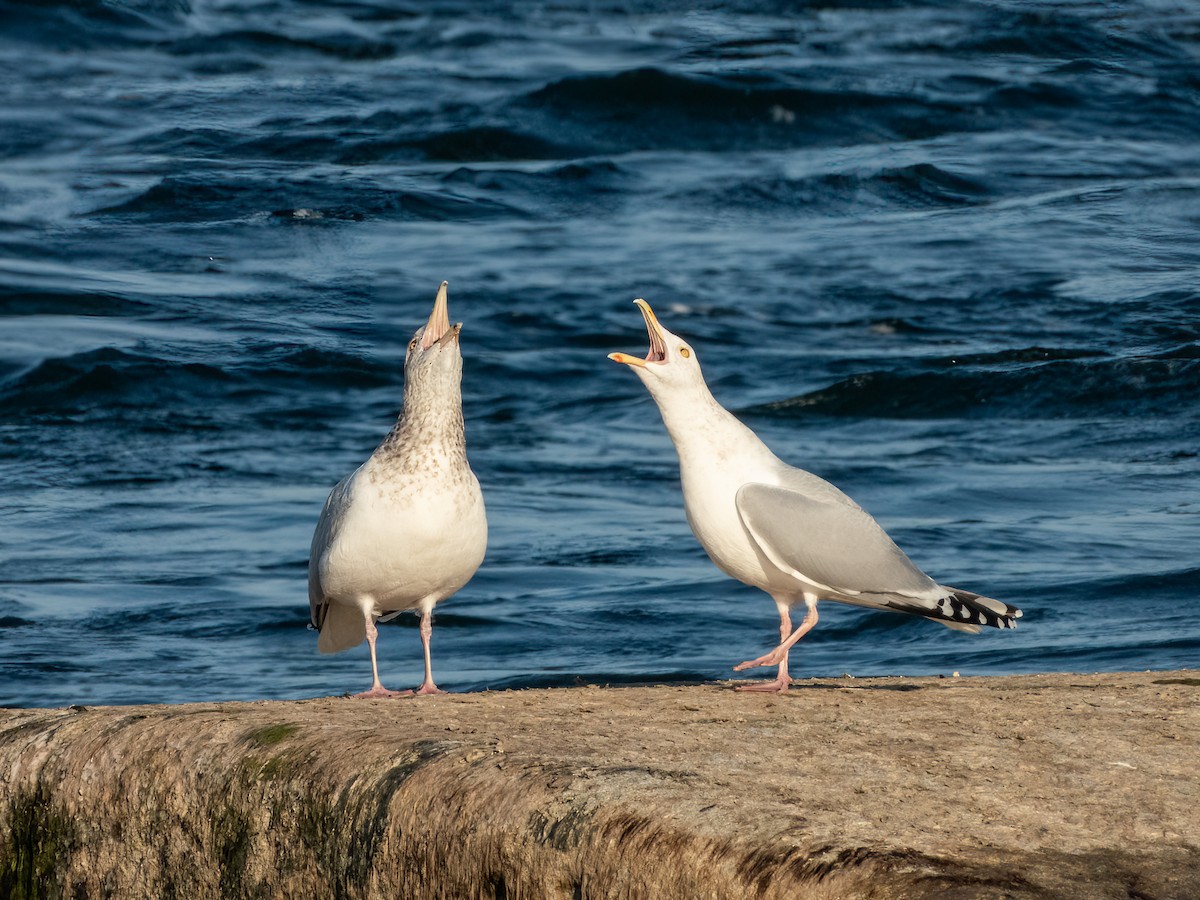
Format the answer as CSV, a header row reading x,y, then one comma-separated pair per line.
x,y
1031,786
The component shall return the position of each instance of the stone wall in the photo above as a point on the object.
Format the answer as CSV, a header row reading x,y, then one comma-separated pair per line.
x,y
1030,786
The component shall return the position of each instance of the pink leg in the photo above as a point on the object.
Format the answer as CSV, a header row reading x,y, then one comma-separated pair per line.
x,y
779,655
377,689
427,686
781,682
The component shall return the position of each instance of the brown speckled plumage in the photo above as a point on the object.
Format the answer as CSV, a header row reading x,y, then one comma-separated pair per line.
x,y
408,528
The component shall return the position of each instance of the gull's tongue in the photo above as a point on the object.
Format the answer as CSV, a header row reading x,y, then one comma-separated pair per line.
x,y
439,319
658,346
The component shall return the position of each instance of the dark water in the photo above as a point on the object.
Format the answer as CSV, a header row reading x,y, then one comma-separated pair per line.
x,y
944,254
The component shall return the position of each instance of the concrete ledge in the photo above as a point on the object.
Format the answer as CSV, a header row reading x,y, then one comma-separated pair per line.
x,y
1015,787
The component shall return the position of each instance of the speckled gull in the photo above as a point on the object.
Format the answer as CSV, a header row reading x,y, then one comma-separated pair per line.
x,y
407,528
779,528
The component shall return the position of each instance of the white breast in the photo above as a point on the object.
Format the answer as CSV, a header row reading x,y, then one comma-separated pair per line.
x,y
711,471
405,540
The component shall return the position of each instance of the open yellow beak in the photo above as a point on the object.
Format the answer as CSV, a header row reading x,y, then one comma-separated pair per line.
x,y
439,319
658,344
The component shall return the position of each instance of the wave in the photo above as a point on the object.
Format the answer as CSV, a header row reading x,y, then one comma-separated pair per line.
x,y
292,365
1032,33
108,380
653,108
472,144
16,300
596,185
600,176
88,24
1178,583
382,137
198,199
919,186
650,108
971,388
257,43
168,26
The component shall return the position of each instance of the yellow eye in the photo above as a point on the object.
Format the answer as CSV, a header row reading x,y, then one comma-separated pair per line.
x,y
685,352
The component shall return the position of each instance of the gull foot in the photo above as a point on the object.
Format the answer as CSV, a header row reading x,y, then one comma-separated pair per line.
x,y
778,686
773,658
427,689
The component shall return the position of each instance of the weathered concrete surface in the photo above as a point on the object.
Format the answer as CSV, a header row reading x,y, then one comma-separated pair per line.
x,y
1041,786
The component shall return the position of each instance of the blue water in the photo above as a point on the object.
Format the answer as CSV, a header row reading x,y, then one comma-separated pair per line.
x,y
943,254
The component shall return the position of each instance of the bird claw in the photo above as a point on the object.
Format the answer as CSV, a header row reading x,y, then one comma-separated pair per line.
x,y
778,686
771,659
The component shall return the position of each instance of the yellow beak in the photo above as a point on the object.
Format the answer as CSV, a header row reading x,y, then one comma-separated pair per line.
x,y
627,359
658,344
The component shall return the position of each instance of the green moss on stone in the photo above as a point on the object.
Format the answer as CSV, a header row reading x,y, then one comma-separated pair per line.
x,y
38,841
272,734
277,768
231,840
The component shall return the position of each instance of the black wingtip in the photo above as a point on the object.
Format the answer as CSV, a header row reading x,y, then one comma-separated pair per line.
x,y
972,609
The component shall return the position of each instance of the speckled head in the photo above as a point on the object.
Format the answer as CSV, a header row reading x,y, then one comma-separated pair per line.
x,y
433,360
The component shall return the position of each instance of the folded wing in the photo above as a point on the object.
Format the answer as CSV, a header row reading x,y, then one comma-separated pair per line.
x,y
830,544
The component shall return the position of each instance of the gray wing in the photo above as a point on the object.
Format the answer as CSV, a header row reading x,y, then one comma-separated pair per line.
x,y
327,529
829,541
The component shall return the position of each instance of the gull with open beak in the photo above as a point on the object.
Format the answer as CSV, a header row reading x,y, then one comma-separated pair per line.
x,y
779,528
407,528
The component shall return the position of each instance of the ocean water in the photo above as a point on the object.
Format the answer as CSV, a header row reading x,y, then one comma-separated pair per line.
x,y
941,253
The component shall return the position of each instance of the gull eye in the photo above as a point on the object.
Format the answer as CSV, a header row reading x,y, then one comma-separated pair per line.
x,y
685,352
